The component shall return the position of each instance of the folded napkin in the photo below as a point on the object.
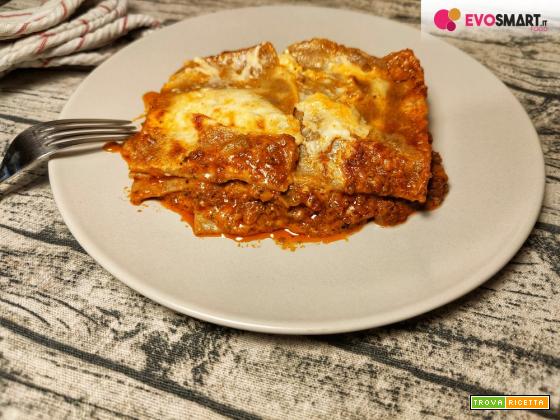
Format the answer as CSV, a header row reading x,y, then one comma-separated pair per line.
x,y
44,37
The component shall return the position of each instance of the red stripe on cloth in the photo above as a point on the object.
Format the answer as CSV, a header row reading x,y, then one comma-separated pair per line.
x,y
15,15
64,8
82,39
46,62
23,28
43,44
125,22
86,26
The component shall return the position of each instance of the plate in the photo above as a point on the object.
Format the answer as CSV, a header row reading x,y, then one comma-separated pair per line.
x,y
379,275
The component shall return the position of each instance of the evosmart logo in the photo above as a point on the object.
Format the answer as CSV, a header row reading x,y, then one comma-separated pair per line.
x,y
510,402
447,20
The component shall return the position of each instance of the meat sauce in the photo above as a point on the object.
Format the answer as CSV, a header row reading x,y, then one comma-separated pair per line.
x,y
296,216
286,238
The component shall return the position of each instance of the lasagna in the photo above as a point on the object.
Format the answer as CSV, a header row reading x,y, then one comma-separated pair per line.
x,y
316,141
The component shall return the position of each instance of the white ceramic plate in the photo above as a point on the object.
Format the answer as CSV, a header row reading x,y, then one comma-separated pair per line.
x,y
380,275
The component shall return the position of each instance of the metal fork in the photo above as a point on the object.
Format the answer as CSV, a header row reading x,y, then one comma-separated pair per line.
x,y
39,142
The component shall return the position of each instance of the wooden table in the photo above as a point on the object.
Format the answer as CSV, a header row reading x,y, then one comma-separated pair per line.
x,y
75,342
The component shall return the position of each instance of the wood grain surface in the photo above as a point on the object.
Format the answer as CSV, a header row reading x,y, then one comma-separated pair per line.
x,y
77,343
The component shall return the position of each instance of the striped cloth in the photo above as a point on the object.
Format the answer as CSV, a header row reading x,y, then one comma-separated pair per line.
x,y
48,35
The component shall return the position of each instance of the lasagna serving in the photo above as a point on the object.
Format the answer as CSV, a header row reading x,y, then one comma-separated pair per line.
x,y
315,142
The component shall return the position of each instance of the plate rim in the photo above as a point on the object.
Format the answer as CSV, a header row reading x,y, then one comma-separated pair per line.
x,y
443,298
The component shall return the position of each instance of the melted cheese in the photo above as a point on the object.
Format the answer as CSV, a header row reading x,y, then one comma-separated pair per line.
x,y
289,63
325,120
243,67
239,109
204,67
248,65
378,85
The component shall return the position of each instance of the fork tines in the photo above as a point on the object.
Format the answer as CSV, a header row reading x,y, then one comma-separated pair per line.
x,y
55,131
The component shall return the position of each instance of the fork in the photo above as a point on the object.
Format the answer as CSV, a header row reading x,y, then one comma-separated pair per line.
x,y
39,142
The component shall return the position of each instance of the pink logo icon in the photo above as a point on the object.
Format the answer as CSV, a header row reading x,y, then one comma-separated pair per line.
x,y
444,19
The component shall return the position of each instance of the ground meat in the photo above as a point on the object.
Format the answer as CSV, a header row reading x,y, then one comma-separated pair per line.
x,y
237,208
